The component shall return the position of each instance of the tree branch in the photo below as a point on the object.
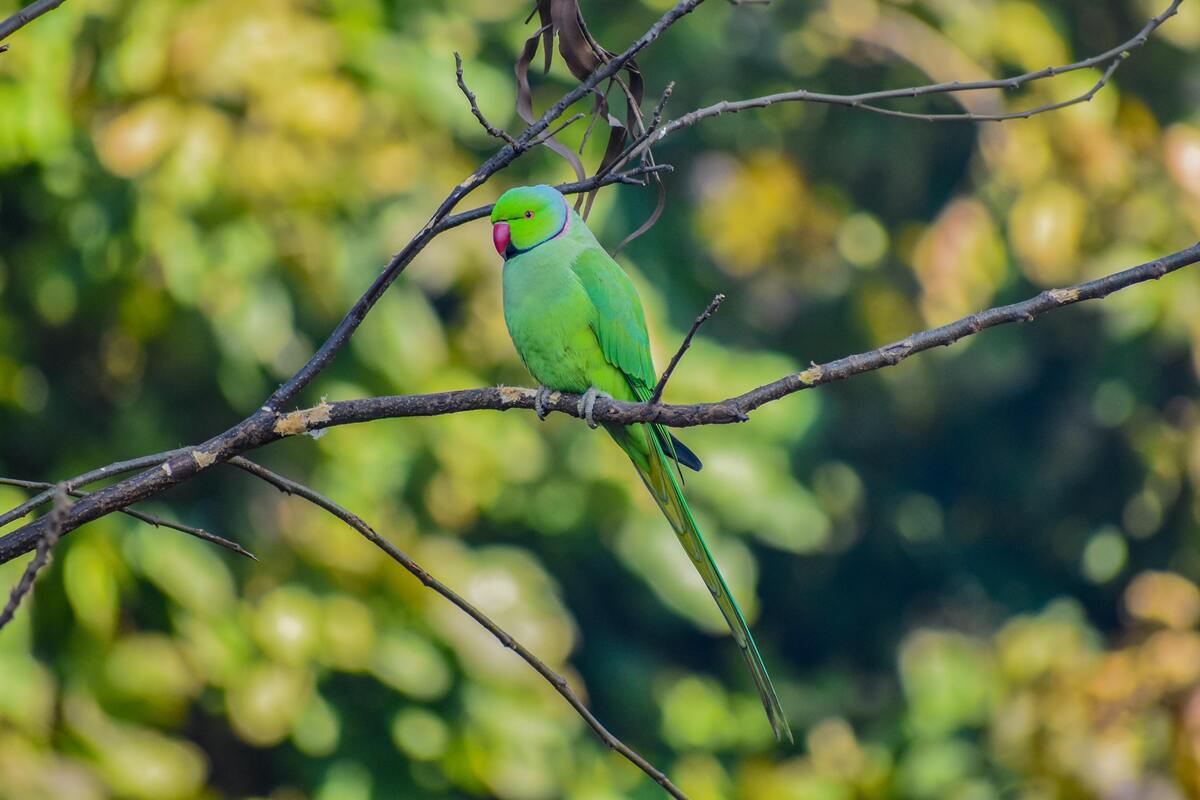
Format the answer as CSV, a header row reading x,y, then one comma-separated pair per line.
x,y
25,16
556,680
683,348
46,541
492,130
149,519
1110,60
267,428
108,471
733,409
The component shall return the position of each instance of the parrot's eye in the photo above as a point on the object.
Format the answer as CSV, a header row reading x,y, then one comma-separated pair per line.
x,y
528,215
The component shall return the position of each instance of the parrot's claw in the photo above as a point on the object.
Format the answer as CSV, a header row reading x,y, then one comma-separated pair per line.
x,y
540,400
587,404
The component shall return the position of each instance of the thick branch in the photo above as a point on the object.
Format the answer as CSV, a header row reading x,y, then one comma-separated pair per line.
x,y
735,409
266,427
26,15
556,680
108,471
149,519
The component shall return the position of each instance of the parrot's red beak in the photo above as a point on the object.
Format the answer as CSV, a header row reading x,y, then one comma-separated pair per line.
x,y
501,237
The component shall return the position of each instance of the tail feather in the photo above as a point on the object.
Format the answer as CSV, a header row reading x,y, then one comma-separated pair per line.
x,y
660,479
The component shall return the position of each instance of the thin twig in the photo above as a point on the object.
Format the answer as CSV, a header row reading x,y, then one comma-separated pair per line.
x,y
552,133
140,516
45,543
971,116
27,15
683,348
498,133
556,680
633,177
656,117
108,471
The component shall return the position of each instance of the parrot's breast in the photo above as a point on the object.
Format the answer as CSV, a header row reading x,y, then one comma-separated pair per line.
x,y
549,317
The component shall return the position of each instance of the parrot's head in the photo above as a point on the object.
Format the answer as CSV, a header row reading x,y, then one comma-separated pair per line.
x,y
527,216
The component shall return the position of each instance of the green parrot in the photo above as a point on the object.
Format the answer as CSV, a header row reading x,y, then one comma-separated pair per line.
x,y
576,321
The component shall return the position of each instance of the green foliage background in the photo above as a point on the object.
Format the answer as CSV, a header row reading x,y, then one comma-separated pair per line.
x,y
973,576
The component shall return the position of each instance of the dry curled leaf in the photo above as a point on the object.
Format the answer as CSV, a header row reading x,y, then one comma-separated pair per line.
x,y
563,19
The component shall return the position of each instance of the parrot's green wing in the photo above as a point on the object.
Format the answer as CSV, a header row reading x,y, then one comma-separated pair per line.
x,y
619,324
620,328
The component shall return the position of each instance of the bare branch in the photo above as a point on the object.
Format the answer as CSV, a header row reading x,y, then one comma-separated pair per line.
x,y
970,116
492,130
264,428
556,680
46,541
683,348
733,409
149,519
25,16
1110,60
656,117
108,471
550,134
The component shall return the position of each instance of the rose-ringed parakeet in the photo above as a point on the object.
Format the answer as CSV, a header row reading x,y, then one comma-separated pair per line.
x,y
577,324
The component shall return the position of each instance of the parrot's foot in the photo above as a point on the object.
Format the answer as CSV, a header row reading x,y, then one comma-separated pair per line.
x,y
587,405
540,400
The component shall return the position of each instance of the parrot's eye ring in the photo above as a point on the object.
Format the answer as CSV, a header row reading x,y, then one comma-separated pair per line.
x,y
528,215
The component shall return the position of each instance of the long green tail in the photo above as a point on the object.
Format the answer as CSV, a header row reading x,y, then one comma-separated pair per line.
x,y
660,479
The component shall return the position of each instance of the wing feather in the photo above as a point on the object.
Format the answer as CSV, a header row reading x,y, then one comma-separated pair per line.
x,y
620,326
619,323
